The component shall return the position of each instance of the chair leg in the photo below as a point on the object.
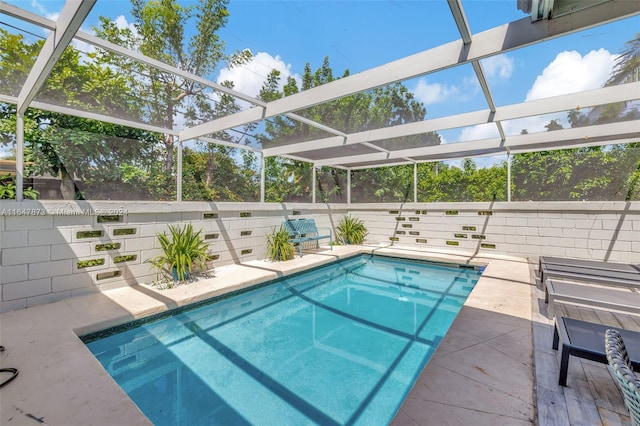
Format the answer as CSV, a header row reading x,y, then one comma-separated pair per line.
x,y
564,366
556,338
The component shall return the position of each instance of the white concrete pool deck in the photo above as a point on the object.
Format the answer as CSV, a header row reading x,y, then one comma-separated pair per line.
x,y
482,372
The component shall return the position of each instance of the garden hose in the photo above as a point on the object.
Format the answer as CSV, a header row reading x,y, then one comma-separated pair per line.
x,y
14,372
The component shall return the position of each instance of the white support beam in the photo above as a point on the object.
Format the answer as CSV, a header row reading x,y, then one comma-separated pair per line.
x,y
415,182
230,144
101,117
262,179
598,134
509,176
377,166
179,172
621,93
348,187
314,177
498,40
19,157
248,116
71,18
23,15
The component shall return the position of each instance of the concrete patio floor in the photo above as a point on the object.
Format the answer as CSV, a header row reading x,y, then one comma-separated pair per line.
x,y
482,373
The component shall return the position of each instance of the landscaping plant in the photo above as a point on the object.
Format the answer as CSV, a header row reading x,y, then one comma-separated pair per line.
x,y
278,245
182,250
351,230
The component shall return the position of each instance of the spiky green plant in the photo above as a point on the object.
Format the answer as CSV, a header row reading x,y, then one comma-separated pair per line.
x,y
278,245
183,250
351,230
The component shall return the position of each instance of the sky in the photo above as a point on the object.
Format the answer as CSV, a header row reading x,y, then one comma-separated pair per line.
x,y
362,34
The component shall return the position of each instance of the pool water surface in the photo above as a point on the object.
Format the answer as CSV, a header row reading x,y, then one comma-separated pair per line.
x,y
340,344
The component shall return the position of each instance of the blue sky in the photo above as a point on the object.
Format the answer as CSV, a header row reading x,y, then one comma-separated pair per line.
x,y
358,35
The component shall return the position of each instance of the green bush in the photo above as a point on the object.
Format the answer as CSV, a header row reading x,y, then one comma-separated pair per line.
x,y
8,189
351,230
184,250
278,245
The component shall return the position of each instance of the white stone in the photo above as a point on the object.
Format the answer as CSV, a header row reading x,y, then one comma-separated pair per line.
x,y
19,256
49,269
26,289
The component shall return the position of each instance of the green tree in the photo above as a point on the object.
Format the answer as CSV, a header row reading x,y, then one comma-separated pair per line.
x,y
160,33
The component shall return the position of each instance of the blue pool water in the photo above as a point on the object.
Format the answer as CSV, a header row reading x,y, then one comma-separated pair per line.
x,y
340,344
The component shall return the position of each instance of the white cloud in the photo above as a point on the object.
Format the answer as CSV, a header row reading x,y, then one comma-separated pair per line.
x,y
498,66
434,93
250,77
571,72
122,23
479,132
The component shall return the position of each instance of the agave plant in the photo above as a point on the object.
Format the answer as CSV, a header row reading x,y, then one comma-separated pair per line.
x,y
182,250
351,230
278,245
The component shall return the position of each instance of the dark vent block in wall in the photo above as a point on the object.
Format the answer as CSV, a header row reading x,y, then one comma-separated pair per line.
x,y
414,233
105,275
468,228
414,219
489,246
108,246
460,235
451,212
246,251
485,212
401,232
124,231
213,236
394,211
109,218
394,239
407,225
210,216
424,212
89,234
213,257
453,243
478,237
245,233
296,213
421,240
400,219
245,214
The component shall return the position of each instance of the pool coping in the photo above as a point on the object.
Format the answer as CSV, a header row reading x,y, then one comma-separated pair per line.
x,y
60,381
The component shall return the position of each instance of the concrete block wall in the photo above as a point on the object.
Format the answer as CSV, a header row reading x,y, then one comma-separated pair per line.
x,y
586,230
41,243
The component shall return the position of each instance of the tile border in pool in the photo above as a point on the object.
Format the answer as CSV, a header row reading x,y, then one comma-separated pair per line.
x,y
89,337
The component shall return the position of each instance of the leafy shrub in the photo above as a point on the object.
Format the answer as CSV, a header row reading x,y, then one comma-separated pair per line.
x,y
351,230
278,245
184,250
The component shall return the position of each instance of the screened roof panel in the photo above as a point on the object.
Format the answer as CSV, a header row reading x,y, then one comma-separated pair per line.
x,y
471,69
340,151
19,54
567,64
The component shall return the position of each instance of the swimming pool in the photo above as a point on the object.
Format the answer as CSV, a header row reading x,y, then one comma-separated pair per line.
x,y
340,344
